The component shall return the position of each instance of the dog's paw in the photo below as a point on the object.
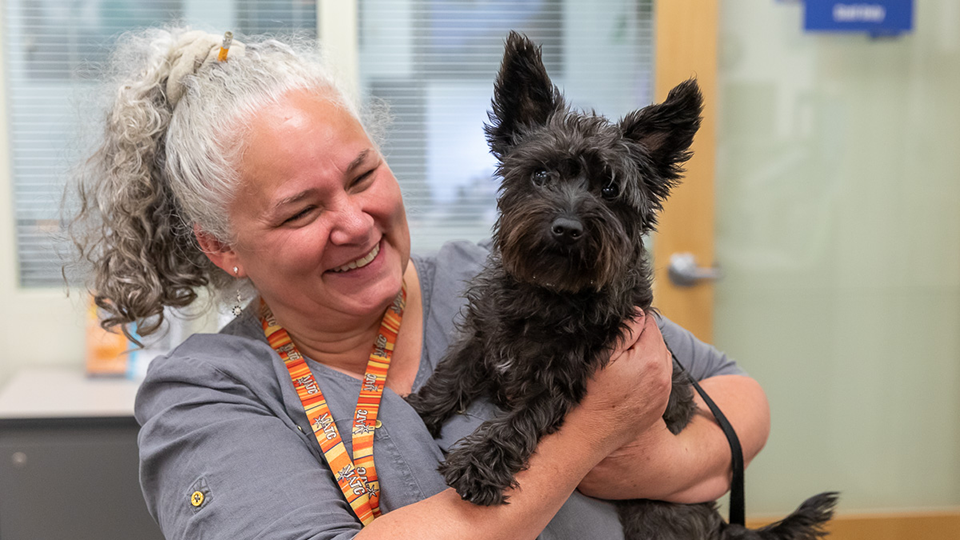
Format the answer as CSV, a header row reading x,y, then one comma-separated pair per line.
x,y
474,480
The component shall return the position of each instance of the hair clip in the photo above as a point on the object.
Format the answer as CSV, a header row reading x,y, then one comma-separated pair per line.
x,y
225,48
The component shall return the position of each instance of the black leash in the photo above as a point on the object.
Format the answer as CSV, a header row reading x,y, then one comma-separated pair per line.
x,y
737,497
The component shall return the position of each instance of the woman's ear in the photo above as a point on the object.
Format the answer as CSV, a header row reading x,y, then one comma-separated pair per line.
x,y
218,252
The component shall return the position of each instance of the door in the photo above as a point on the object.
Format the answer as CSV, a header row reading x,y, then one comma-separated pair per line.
x,y
686,46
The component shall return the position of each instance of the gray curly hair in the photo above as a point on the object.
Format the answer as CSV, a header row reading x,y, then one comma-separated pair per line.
x,y
166,161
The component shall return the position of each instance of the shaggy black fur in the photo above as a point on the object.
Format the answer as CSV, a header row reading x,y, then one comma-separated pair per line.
x,y
568,268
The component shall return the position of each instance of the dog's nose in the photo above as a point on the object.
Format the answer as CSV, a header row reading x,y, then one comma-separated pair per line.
x,y
566,230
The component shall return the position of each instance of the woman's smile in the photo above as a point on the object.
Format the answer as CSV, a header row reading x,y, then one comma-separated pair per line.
x,y
360,263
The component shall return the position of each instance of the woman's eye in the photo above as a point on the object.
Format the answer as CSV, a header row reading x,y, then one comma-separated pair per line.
x,y
364,177
298,215
540,178
610,191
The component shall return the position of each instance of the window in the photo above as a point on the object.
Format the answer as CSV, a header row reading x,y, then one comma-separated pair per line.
x,y
51,50
433,61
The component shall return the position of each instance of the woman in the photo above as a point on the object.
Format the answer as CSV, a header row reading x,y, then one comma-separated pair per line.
x,y
253,172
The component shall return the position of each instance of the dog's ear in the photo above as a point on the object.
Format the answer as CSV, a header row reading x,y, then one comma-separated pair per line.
x,y
666,131
523,95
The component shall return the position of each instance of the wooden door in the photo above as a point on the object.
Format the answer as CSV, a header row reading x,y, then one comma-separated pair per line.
x,y
686,46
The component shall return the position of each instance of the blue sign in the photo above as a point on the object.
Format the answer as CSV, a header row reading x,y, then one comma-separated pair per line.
x,y
876,17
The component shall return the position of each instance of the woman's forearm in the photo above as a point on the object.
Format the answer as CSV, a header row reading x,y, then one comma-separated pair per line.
x,y
745,405
555,470
693,466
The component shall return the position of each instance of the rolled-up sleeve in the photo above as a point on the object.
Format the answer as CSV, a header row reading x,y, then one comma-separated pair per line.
x,y
700,359
217,462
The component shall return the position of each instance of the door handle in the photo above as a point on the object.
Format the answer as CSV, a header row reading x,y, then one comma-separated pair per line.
x,y
684,272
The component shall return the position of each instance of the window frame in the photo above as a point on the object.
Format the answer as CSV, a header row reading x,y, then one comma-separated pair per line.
x,y
45,326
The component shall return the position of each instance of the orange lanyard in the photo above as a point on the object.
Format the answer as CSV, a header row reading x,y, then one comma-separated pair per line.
x,y
358,476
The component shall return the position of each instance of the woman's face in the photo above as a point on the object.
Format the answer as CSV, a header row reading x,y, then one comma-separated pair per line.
x,y
319,219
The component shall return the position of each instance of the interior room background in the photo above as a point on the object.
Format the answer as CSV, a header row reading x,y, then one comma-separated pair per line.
x,y
837,196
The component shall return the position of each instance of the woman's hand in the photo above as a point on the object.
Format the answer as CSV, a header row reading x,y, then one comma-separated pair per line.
x,y
628,396
691,467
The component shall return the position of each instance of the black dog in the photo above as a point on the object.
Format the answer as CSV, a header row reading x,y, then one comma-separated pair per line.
x,y
568,268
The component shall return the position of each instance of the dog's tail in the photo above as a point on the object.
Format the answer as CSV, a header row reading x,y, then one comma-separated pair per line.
x,y
805,523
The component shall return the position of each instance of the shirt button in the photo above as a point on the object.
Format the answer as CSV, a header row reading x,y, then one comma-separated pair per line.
x,y
378,424
197,498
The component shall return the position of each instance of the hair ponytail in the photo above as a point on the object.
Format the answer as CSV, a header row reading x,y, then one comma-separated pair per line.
x,y
129,225
162,168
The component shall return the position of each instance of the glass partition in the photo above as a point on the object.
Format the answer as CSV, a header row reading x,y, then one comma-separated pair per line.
x,y
838,229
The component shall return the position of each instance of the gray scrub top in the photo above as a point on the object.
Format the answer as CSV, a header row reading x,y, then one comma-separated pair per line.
x,y
220,416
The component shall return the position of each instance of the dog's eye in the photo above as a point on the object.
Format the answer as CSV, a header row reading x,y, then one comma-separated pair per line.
x,y
610,191
540,178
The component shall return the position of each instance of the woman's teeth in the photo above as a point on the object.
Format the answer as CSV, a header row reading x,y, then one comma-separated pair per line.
x,y
361,262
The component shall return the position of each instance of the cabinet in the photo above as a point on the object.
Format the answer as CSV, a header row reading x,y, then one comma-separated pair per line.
x,y
69,460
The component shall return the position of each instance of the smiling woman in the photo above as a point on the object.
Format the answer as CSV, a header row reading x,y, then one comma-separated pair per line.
x,y
316,194
290,422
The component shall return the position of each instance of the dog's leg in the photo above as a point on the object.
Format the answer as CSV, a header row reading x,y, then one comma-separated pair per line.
x,y
485,462
680,407
458,380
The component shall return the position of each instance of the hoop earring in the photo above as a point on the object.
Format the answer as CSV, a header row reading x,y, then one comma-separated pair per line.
x,y
237,308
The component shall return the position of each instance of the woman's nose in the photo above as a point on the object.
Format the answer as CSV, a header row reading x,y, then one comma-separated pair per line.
x,y
353,225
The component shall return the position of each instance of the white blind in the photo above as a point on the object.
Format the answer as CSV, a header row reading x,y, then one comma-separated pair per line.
x,y
434,62
50,47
